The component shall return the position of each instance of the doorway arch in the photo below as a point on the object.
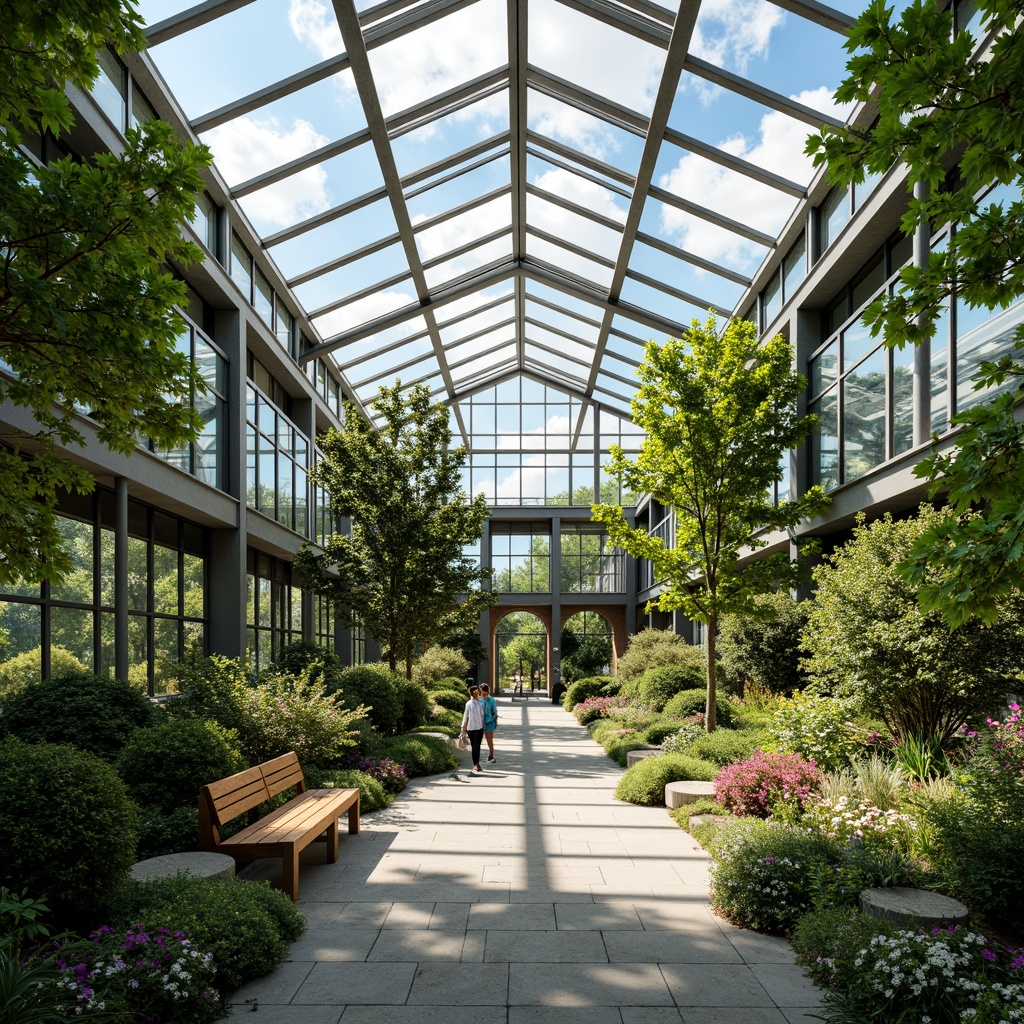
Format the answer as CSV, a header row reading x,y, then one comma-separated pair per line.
x,y
521,646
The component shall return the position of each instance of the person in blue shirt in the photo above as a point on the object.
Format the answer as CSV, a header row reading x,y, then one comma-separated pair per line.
x,y
490,718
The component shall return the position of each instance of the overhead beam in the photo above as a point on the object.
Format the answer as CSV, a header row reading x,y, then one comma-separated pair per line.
x,y
193,17
735,226
697,261
653,32
584,99
820,14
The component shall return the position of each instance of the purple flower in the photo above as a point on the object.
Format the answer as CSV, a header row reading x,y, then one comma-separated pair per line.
x,y
988,954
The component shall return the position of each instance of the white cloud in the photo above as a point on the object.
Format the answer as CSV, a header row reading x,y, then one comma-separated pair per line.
x,y
729,33
361,311
778,147
246,147
315,25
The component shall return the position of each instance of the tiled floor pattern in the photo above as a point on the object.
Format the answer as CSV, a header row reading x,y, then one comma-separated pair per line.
x,y
527,895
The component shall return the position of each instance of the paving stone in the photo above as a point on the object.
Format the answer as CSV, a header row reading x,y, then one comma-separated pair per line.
x,y
460,985
267,1013
513,917
566,1015
356,984
423,1015
336,944
587,985
279,987
597,917
527,947
686,947
787,984
714,985
732,1015
416,945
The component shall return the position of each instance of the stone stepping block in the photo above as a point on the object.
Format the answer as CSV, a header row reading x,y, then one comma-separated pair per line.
x,y
196,864
633,756
679,793
912,908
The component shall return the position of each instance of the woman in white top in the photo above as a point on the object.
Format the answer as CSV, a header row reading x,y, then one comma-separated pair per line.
x,y
473,724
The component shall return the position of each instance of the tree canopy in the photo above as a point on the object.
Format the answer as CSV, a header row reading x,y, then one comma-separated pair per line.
x,y
719,411
86,293
401,572
937,103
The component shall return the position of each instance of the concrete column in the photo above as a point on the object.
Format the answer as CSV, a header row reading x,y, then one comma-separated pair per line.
x,y
225,576
922,353
120,578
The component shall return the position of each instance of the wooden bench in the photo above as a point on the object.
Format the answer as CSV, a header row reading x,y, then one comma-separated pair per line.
x,y
286,831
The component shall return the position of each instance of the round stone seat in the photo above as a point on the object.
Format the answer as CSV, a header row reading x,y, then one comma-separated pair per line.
x,y
196,864
912,908
679,793
633,756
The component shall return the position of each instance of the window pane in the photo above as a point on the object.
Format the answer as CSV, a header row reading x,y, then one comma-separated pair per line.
x,y
77,585
864,417
241,267
824,446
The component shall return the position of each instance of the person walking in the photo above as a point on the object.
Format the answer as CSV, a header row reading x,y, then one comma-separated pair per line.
x,y
490,718
473,725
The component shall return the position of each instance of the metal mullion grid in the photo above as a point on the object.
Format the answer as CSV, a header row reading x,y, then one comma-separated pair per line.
x,y
446,103
559,331
609,354
417,16
411,361
820,14
633,24
466,247
571,207
344,261
459,364
193,17
562,374
576,250
565,166
483,332
719,220
326,217
696,261
445,324
457,211
589,102
661,286
735,163
574,156
378,286
444,179
564,311
555,352
418,336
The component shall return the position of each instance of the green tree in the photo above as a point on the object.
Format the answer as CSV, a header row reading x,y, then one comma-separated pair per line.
x,y
934,99
719,412
86,297
867,638
401,572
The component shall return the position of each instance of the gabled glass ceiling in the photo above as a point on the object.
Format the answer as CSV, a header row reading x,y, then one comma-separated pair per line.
x,y
463,192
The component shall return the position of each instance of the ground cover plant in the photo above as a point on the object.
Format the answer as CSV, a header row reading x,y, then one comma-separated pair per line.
x,y
645,782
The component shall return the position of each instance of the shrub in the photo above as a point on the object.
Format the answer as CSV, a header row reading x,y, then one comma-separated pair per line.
x,y
214,689
374,688
827,942
594,708
722,747
67,827
764,646
24,669
617,747
244,925
162,832
645,782
611,688
654,648
438,663
764,781
817,728
693,702
453,700
165,767
978,826
372,794
444,720
415,705
580,690
869,640
658,685
763,872
136,975
950,974
389,773
863,865
686,732
450,683
656,732
300,655
420,755
87,711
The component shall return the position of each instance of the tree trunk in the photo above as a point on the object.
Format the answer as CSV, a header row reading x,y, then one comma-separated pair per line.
x,y
710,711
408,662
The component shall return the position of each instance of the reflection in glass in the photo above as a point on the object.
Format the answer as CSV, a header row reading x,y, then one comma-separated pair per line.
x,y
165,580
165,655
940,373
823,369
77,586
824,446
857,343
987,339
138,575
902,399
864,417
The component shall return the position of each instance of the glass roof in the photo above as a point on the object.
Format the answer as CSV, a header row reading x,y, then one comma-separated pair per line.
x,y
462,192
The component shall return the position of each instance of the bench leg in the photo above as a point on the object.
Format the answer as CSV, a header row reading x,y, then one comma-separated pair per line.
x,y
353,818
332,842
290,873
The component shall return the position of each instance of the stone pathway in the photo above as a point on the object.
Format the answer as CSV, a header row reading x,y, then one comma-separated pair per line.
x,y
527,895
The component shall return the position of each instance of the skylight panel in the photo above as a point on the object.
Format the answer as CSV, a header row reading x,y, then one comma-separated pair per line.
x,y
352,278
362,311
591,135
561,259
702,238
391,362
576,370
335,239
440,55
493,252
546,215
456,190
572,349
668,307
571,303
563,321
353,352
437,239
484,366
453,329
479,343
711,288
595,55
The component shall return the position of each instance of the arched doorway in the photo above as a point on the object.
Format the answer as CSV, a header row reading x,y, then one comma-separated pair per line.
x,y
521,653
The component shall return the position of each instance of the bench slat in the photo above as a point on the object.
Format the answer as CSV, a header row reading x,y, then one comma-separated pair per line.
x,y
283,773
290,823
230,797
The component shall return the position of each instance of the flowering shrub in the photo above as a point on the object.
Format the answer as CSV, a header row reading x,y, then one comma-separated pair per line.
x,y
948,976
594,708
1003,742
815,727
137,975
764,781
388,772
763,872
844,820
635,715
691,728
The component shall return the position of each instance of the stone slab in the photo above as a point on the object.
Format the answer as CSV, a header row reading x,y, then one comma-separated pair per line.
x,y
633,756
679,793
908,907
196,864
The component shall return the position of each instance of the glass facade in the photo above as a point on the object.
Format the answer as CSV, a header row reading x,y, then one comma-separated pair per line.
x,y
521,558
589,564
273,608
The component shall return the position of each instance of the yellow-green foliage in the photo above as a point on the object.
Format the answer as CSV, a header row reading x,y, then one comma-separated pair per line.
x,y
645,782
